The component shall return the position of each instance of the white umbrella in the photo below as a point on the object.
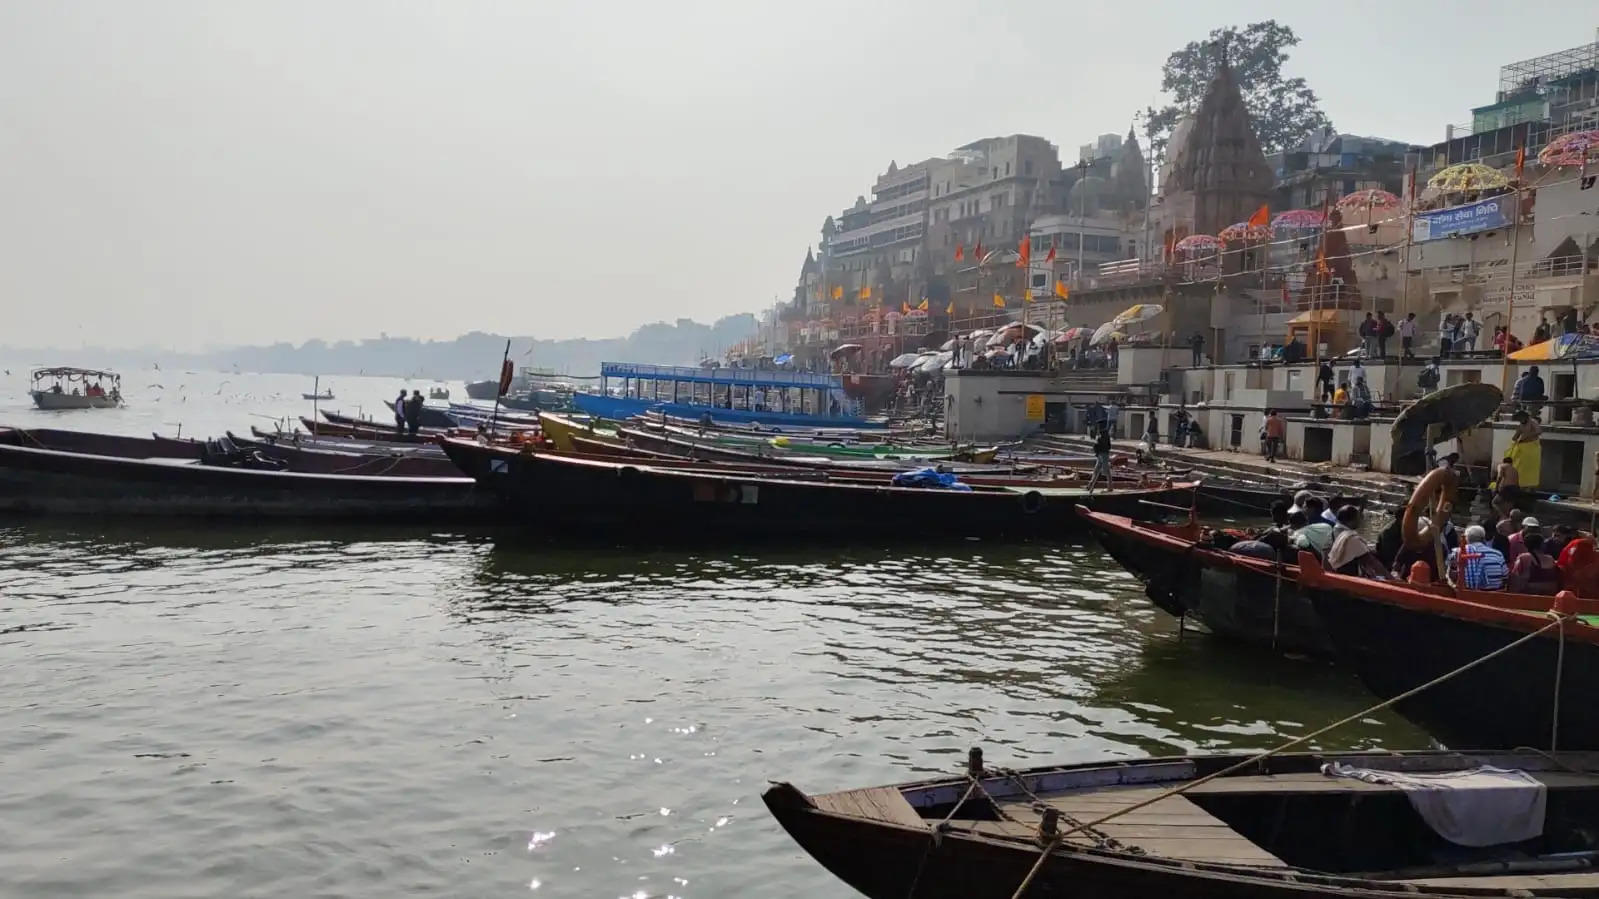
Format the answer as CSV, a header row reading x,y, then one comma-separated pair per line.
x,y
948,345
934,362
1106,332
980,333
904,360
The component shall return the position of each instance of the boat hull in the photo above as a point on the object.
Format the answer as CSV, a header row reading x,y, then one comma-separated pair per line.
x,y
51,401
1506,702
39,481
1237,598
634,498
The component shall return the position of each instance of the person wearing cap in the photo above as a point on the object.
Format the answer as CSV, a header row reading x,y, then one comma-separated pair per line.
x,y
1518,539
1477,566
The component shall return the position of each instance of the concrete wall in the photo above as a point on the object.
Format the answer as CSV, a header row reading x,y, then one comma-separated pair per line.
x,y
1144,365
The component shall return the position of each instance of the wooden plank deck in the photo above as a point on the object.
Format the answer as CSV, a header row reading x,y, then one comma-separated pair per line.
x,y
1169,828
872,803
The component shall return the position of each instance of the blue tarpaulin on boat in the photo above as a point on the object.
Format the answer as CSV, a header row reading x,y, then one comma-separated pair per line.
x,y
929,477
784,359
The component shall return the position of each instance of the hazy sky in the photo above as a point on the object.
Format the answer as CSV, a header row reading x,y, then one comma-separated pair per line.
x,y
200,173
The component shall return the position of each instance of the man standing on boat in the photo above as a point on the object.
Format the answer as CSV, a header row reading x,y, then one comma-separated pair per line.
x,y
413,412
399,414
1101,456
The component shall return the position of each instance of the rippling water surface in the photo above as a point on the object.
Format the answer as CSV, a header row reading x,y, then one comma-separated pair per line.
x,y
207,710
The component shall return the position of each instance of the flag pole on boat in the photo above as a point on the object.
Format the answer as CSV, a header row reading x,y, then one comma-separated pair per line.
x,y
505,386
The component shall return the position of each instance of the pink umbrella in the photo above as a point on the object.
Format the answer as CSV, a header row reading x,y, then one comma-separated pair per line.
x,y
1368,199
1071,334
1198,243
1244,231
1571,149
1298,218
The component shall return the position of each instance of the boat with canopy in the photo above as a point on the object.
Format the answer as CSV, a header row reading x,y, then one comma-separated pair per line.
x,y
75,388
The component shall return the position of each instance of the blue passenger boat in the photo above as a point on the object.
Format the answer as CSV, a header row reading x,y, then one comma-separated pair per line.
x,y
731,395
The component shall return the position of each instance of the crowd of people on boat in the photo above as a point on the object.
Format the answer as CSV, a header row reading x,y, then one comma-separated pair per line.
x,y
1506,551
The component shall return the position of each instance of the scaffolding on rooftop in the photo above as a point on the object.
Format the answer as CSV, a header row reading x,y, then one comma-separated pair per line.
x,y
1534,75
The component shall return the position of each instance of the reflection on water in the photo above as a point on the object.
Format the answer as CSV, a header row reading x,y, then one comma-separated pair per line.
x,y
355,711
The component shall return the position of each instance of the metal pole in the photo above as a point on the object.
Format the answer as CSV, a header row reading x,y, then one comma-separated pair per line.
x,y
494,420
1510,296
316,396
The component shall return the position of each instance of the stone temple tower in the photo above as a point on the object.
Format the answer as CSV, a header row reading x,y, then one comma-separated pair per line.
x,y
1217,174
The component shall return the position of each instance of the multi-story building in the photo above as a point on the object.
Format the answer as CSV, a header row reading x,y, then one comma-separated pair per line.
x,y
1327,165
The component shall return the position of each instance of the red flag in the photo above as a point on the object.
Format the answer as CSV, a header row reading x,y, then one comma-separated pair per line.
x,y
977,252
1521,161
960,251
1051,256
1261,218
1024,253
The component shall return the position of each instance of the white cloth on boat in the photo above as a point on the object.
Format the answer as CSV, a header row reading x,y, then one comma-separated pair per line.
x,y
1482,806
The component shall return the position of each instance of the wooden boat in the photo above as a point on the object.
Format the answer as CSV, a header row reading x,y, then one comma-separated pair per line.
x,y
1279,829
351,459
432,418
63,392
564,492
324,395
46,481
1397,636
1241,598
368,432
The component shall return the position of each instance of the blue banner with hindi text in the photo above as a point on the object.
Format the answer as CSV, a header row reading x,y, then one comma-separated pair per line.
x,y
1472,218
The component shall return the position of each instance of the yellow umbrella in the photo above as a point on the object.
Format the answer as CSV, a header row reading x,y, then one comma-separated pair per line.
x,y
1107,331
1139,312
1467,176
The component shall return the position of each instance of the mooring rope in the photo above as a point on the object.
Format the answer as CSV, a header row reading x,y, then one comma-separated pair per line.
x,y
1055,841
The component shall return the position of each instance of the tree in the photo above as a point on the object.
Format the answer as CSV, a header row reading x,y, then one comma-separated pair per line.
x,y
1284,109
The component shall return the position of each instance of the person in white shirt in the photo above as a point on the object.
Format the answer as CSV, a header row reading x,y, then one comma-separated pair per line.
x,y
1469,329
399,414
1407,336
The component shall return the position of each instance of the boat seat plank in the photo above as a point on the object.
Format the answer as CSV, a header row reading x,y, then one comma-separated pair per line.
x,y
872,803
1172,827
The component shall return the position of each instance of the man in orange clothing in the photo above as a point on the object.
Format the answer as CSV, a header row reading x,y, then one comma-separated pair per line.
x,y
1276,434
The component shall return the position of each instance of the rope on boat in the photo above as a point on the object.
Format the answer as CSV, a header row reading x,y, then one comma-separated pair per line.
x,y
1560,669
936,833
1055,841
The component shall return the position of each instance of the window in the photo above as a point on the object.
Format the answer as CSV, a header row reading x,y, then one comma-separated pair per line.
x,y
1007,170
1027,167
1039,280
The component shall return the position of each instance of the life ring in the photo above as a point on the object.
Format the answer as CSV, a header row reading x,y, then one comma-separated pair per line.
x,y
1434,492
1032,502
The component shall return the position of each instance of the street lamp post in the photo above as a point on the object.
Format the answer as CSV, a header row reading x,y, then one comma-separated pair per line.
x,y
1082,213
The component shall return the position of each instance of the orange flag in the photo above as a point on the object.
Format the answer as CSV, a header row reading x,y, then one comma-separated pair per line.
x,y
951,309
866,293
922,306
960,251
977,252
1027,296
1061,290
1261,218
999,301
1521,160
904,308
838,292
1024,253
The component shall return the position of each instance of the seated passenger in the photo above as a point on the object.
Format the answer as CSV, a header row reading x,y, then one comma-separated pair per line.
x,y
1350,553
1315,536
1483,566
1535,571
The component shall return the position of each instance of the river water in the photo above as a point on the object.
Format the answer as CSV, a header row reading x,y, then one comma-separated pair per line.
x,y
204,710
